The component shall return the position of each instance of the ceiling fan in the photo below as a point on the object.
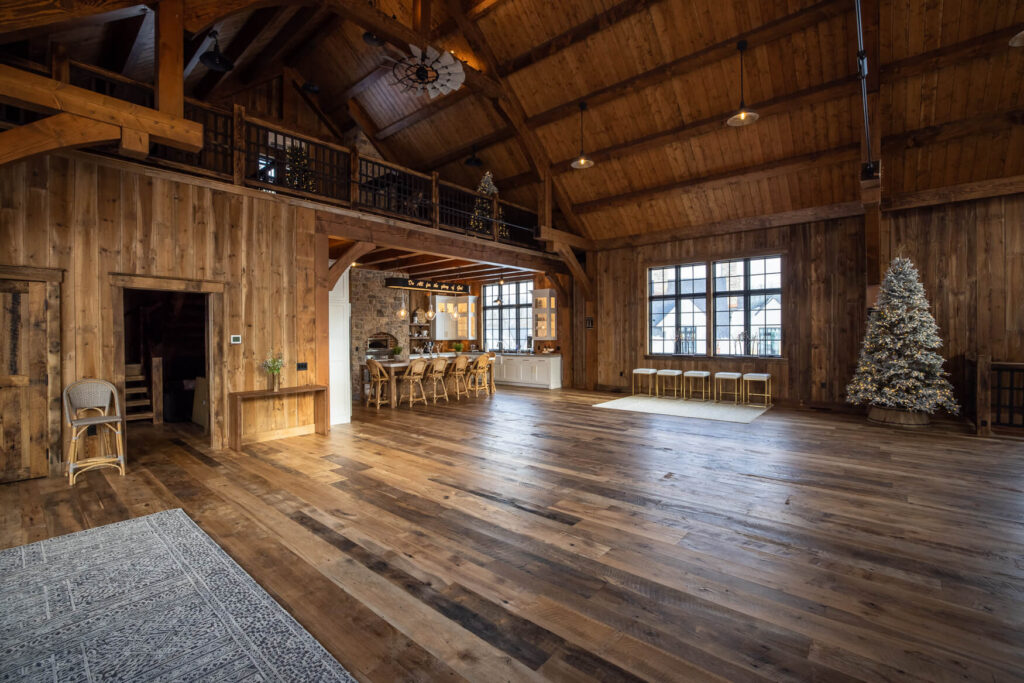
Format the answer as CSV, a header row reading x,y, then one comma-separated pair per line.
x,y
431,71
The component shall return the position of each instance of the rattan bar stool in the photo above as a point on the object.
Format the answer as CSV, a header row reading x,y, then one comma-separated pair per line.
x,y
705,384
766,381
661,378
87,403
737,387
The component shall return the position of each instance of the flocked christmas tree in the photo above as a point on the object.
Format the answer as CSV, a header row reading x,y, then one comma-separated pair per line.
x,y
480,221
899,366
297,173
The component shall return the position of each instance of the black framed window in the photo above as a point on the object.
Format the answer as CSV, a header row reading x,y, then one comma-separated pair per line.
x,y
748,306
508,316
677,310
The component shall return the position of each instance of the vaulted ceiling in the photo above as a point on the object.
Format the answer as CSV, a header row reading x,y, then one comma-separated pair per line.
x,y
660,78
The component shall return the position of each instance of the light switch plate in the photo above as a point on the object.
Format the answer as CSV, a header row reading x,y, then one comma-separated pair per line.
x,y
236,339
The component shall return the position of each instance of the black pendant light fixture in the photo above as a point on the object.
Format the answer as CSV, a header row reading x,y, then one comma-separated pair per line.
x,y
1017,40
473,160
744,116
581,162
372,39
213,59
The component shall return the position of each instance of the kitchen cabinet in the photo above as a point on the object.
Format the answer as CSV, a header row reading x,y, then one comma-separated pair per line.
x,y
455,319
545,311
543,371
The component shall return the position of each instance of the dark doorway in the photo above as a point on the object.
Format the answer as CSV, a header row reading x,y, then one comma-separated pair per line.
x,y
165,356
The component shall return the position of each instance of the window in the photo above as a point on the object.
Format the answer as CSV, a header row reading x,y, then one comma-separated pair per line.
x,y
677,310
747,303
748,307
508,316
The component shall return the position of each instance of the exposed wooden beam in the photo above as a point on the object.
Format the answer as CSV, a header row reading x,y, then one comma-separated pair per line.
x,y
364,83
369,128
382,256
942,132
122,45
194,49
421,17
446,268
283,41
415,260
391,31
518,180
512,110
467,272
60,131
46,95
846,153
434,107
314,106
394,234
782,27
577,34
760,222
321,30
556,235
576,268
134,144
980,46
20,20
352,253
482,8
250,31
492,138
981,189
170,58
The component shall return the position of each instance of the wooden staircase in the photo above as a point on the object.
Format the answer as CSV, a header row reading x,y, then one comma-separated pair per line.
x,y
144,395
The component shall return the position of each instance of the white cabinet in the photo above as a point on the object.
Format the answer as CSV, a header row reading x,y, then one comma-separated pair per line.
x,y
455,318
529,371
545,311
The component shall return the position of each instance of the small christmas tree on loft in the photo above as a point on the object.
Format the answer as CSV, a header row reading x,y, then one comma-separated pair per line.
x,y
297,173
480,221
899,373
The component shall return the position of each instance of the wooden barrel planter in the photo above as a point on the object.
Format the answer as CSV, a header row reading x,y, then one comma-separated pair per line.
x,y
896,417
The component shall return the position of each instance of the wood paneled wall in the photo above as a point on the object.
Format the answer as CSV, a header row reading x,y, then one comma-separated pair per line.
x,y
91,218
823,307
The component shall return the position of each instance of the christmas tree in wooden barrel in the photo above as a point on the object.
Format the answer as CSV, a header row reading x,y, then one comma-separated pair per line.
x,y
899,374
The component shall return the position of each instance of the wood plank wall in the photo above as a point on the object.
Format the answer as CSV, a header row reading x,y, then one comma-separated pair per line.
x,y
91,219
823,307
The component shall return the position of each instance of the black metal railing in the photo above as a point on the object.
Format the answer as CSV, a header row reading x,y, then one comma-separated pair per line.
x,y
517,224
218,132
1008,394
394,190
110,85
455,207
276,159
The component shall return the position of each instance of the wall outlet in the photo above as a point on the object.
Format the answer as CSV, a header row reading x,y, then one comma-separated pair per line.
x,y
302,366
236,339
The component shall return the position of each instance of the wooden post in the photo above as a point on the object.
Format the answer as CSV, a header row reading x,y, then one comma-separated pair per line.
x,y
435,200
60,67
170,58
353,178
156,389
983,396
494,217
238,152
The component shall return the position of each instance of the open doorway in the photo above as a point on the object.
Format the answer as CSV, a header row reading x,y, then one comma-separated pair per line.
x,y
165,357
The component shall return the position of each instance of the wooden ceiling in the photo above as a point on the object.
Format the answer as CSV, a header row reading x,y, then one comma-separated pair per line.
x,y
431,266
660,78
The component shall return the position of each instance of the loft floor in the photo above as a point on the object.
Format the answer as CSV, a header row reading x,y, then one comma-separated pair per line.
x,y
528,536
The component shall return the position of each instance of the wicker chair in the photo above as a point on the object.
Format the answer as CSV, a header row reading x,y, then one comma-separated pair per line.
x,y
478,374
459,375
413,377
379,383
435,375
87,403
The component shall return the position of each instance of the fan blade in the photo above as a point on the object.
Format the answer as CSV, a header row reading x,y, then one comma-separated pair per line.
x,y
432,53
446,59
459,77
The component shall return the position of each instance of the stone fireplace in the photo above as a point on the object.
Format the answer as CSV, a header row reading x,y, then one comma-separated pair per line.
x,y
374,315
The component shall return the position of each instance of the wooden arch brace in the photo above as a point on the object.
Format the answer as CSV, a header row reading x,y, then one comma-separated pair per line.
x,y
351,254
60,131
575,267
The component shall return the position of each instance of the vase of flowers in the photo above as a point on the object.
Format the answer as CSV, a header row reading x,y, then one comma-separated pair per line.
x,y
272,366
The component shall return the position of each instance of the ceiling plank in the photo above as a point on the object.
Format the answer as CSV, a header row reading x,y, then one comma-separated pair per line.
x,y
122,44
980,46
720,51
577,34
423,113
391,31
314,106
369,128
250,31
19,19
273,55
929,135
38,93
311,41
982,189
406,262
501,135
850,152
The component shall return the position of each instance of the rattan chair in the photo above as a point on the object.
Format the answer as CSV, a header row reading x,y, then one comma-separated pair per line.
x,y
459,376
379,383
435,375
87,403
478,374
413,378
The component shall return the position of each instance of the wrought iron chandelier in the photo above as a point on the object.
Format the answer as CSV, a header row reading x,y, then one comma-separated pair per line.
x,y
430,71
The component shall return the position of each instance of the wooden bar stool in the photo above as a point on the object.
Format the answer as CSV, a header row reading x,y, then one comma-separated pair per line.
x,y
662,376
737,387
638,379
766,380
705,384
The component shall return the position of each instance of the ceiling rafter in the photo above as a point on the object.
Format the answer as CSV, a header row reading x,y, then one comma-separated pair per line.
x,y
423,113
282,42
195,47
123,44
503,134
850,152
311,41
258,22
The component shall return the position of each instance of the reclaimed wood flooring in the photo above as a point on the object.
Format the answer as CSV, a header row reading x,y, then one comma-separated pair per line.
x,y
528,536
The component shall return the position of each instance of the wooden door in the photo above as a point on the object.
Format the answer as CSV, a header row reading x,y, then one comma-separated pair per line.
x,y
24,390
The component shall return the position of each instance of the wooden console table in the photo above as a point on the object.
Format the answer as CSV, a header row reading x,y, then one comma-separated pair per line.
x,y
235,399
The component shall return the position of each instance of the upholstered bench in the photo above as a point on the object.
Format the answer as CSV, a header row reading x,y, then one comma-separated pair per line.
x,y
705,384
720,387
664,375
766,381
638,379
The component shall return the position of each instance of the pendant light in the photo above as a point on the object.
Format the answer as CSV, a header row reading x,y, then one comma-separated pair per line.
x,y
744,116
501,277
213,59
473,161
430,307
581,162
403,312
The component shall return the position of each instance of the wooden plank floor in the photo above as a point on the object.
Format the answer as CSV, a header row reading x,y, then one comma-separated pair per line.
x,y
528,536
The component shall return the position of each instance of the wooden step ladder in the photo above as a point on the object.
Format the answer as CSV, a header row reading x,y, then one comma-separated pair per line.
x,y
144,395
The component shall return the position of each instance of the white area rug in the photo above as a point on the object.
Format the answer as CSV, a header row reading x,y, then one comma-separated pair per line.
x,y
723,412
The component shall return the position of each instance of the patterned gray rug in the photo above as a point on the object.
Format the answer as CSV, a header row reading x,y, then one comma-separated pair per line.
x,y
149,599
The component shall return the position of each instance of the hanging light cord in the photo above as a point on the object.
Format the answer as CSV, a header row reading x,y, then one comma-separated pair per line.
x,y
743,100
868,170
583,106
